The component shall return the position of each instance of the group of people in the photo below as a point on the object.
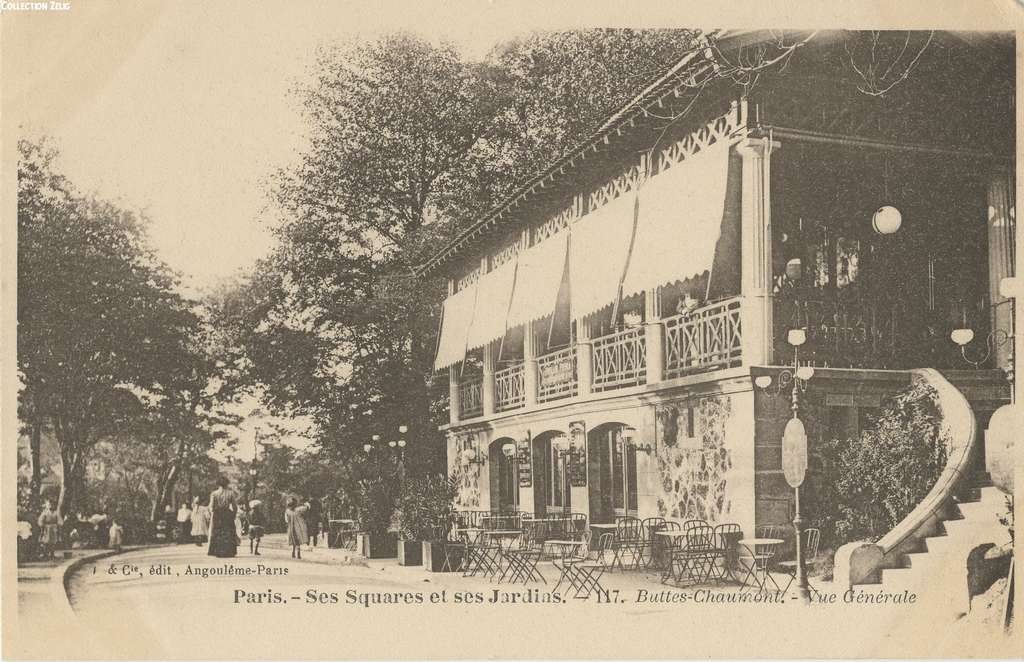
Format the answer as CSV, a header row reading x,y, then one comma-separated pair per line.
x,y
54,532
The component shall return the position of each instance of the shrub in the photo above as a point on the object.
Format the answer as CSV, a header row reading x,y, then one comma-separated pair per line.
x,y
865,485
426,502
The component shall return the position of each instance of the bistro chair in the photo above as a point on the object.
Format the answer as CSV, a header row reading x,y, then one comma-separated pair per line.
x,y
662,546
694,561
578,570
628,538
522,561
726,538
754,564
649,538
812,539
577,525
768,531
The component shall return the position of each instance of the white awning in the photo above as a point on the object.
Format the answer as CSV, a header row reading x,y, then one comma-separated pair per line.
x,y
494,291
456,315
538,278
599,245
680,220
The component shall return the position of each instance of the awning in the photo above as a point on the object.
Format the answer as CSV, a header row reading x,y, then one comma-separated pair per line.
x,y
599,246
680,220
494,291
456,315
538,277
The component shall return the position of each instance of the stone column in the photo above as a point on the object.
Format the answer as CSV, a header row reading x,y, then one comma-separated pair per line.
x,y
654,335
529,366
453,394
487,389
756,252
584,358
1001,237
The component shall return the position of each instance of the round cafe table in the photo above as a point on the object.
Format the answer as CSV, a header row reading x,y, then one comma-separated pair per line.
x,y
764,551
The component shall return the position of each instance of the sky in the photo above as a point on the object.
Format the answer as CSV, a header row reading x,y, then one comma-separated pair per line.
x,y
185,110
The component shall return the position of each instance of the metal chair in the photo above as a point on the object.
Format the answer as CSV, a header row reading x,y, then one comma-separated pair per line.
x,y
649,527
726,537
522,560
812,540
628,538
696,559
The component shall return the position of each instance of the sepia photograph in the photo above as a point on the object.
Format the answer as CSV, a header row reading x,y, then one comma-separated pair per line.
x,y
506,330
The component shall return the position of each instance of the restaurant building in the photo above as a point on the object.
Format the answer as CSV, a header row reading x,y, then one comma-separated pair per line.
x,y
617,332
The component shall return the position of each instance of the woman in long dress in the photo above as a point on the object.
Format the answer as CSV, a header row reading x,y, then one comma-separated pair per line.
x,y
200,522
223,542
49,528
294,518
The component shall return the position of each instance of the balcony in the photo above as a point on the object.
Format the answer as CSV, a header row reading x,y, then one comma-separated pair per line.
x,y
471,397
508,388
704,339
620,359
556,375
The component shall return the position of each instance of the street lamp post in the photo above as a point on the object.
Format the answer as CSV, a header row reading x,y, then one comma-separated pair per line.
x,y
512,458
794,455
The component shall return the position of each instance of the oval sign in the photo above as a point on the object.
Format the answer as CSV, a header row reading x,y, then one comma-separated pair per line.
x,y
794,452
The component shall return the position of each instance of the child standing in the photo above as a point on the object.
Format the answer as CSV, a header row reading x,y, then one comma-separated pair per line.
x,y
255,527
116,535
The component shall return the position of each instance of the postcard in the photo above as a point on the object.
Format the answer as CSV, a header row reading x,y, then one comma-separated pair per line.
x,y
463,330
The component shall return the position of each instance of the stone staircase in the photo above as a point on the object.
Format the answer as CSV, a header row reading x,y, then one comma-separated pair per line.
x,y
936,567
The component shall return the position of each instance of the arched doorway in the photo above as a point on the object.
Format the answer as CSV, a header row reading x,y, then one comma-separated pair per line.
x,y
551,490
504,476
612,462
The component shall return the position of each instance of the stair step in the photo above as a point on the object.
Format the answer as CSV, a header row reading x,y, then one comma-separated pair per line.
x,y
900,578
921,560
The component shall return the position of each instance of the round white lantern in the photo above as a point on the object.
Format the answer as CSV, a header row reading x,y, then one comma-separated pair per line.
x,y
796,337
887,220
962,336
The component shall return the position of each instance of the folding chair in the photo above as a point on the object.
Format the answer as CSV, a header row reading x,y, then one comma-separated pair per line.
x,y
523,560
726,537
649,528
755,562
697,558
812,539
628,539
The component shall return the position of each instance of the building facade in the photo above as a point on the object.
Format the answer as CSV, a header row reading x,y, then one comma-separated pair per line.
x,y
618,333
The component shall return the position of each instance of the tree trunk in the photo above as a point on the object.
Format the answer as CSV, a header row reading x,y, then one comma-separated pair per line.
x,y
71,480
37,474
165,490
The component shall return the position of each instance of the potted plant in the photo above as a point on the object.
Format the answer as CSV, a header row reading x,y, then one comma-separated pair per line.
x,y
377,505
426,508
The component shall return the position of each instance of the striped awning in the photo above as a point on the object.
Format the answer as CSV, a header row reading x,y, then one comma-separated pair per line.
x,y
494,292
599,247
680,220
456,317
538,277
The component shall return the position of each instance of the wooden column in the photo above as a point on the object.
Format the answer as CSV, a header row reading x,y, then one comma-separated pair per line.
x,y
487,388
584,358
529,366
453,394
1001,238
756,252
654,335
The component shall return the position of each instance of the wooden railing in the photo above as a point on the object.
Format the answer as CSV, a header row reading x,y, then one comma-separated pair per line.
x,y
704,339
508,388
620,359
556,375
471,401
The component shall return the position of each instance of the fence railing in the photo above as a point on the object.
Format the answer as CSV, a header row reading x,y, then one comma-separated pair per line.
x,y
556,375
704,339
471,397
508,388
620,359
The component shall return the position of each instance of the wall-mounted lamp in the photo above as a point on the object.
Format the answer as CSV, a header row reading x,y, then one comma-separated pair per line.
x,y
473,456
509,450
629,437
964,335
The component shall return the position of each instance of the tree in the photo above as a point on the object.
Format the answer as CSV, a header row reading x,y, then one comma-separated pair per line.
x,y
409,144
99,320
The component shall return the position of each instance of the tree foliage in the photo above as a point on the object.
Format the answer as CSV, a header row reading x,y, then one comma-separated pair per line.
x,y
868,484
104,337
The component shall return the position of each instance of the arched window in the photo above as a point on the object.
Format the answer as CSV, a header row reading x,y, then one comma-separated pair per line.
x,y
614,492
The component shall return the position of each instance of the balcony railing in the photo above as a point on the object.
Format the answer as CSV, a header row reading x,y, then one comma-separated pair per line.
x,y
707,338
471,400
508,388
620,359
556,375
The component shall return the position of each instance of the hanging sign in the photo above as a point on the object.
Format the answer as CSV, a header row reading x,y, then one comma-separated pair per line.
x,y
577,454
525,462
794,452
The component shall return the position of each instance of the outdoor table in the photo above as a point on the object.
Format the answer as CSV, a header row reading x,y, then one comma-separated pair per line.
x,y
343,532
670,537
565,545
762,558
503,539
